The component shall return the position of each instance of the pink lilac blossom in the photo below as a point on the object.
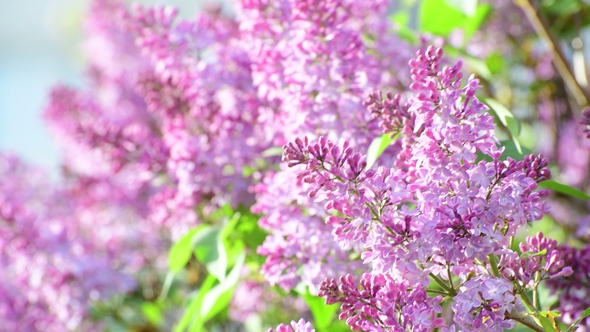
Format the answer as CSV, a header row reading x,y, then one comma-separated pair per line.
x,y
174,114
253,296
540,260
52,265
379,303
299,326
483,303
464,209
314,63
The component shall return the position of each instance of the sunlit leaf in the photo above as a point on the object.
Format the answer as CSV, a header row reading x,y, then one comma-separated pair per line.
x,y
181,251
191,313
377,148
441,18
467,7
220,295
152,312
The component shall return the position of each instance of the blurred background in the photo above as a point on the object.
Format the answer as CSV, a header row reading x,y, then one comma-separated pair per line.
x,y
40,45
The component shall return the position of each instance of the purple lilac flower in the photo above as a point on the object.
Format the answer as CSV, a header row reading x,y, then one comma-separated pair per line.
x,y
314,64
443,213
379,303
299,326
56,257
572,289
483,303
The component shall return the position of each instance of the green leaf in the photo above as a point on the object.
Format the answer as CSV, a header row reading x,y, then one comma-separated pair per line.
x,y
547,324
467,7
401,20
231,225
504,115
562,7
550,313
377,147
534,254
506,118
495,62
210,250
271,152
166,286
440,18
220,295
249,232
323,314
480,67
191,313
564,189
513,151
585,314
152,312
181,251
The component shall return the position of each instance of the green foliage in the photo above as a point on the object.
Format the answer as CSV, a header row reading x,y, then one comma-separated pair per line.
x,y
219,296
585,314
181,251
467,7
152,312
323,314
441,17
218,247
377,147
547,324
564,189
402,21
507,119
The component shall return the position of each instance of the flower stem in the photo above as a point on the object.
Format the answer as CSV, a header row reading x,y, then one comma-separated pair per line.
x,y
443,284
526,321
541,27
494,265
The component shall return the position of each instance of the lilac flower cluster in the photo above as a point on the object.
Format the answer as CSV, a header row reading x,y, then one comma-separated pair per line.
x,y
380,303
174,114
180,117
445,214
572,289
52,262
299,326
315,61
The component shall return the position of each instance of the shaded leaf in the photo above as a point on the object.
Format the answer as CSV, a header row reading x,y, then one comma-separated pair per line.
x,y
323,314
507,119
564,189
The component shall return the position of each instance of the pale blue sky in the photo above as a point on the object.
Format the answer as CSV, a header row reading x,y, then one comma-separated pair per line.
x,y
40,46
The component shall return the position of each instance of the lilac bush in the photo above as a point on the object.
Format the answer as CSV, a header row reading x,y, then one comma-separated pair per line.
x,y
402,201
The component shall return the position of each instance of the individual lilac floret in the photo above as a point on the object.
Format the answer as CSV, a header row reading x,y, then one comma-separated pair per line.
x,y
378,303
484,304
300,326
